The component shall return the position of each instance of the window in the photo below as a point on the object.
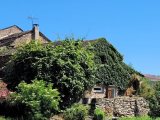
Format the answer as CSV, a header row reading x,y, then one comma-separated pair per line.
x,y
97,89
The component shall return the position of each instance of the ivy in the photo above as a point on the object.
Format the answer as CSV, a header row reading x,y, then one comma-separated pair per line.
x,y
111,70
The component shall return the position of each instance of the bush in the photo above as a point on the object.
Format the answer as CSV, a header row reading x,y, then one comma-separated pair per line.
x,y
76,112
98,114
154,101
36,101
146,90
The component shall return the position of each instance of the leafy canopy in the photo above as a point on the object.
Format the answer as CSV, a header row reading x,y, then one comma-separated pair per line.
x,y
67,65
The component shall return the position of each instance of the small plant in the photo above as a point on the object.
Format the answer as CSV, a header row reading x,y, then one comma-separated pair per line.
x,y
39,100
76,112
98,114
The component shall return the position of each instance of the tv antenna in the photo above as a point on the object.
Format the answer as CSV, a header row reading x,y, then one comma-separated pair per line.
x,y
32,18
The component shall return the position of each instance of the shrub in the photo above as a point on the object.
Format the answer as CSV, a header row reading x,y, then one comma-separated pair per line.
x,y
146,90
76,112
38,99
154,101
98,114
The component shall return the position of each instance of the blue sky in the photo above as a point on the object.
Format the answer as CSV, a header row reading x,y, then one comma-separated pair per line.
x,y
132,26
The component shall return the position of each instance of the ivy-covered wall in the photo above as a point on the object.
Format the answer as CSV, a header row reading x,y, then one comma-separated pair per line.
x,y
111,70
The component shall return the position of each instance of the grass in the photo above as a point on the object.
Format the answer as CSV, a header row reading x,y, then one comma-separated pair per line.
x,y
139,118
2,118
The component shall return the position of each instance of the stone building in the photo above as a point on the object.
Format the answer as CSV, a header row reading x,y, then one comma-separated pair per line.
x,y
12,37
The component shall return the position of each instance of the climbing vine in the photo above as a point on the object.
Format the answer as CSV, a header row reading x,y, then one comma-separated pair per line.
x,y
111,69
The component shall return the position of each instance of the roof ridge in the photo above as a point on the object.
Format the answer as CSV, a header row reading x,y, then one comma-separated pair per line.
x,y
10,27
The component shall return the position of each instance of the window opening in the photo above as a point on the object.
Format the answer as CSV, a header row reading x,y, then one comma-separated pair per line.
x,y
97,89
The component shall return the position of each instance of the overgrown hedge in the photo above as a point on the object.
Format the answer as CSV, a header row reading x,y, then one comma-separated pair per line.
x,y
111,69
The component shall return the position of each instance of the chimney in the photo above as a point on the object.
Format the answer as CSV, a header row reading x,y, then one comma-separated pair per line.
x,y
35,31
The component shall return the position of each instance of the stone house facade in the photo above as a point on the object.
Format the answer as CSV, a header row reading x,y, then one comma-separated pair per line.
x,y
102,91
12,37
9,31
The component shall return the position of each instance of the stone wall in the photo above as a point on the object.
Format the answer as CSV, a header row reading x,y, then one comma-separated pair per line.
x,y
122,107
43,40
8,31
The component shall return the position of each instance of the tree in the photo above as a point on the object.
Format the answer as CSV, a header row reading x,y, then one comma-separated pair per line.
x,y
154,101
68,66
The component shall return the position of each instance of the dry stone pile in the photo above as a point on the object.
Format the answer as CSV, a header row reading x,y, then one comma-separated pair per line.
x,y
123,107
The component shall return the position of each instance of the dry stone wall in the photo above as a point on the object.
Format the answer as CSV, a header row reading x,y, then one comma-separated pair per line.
x,y
122,107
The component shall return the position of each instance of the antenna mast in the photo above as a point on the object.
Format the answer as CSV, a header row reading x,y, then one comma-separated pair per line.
x,y
32,19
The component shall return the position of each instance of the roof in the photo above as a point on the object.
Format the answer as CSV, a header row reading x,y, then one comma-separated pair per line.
x,y
86,42
15,35
44,36
10,27
18,35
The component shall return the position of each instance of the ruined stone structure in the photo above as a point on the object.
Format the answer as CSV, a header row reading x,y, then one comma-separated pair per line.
x,y
121,107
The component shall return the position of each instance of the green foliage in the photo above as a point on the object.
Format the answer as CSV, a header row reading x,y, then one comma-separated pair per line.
x,y
35,101
98,114
2,118
111,69
40,101
139,118
145,90
151,83
67,65
143,79
21,65
76,112
154,101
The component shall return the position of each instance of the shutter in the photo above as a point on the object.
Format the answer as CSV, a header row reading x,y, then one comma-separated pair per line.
x,y
109,92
